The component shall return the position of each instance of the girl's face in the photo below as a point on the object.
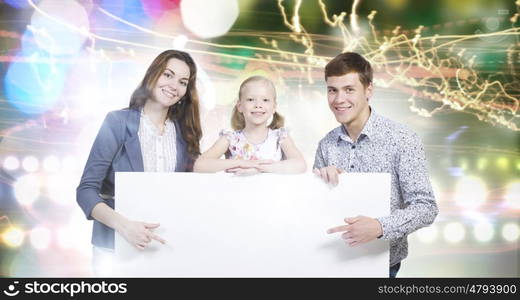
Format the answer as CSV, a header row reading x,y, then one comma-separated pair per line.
x,y
172,84
257,102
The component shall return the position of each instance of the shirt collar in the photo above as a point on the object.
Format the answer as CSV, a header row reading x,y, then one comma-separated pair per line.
x,y
369,130
168,125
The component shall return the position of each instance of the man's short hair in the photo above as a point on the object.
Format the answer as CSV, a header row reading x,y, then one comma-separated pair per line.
x,y
350,62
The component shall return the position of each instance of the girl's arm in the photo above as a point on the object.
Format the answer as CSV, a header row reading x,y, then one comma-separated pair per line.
x,y
210,162
294,162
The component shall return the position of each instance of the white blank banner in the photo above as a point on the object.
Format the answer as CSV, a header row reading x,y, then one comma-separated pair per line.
x,y
268,225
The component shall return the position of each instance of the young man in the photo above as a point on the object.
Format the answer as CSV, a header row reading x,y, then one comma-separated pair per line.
x,y
368,142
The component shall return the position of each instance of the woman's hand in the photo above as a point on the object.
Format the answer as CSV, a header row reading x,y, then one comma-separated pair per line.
x,y
139,234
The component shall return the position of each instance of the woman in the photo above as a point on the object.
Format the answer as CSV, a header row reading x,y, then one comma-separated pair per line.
x,y
159,132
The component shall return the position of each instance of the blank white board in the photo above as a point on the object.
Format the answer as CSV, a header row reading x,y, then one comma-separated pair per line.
x,y
268,225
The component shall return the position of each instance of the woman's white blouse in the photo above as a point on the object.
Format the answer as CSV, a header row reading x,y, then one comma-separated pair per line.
x,y
159,151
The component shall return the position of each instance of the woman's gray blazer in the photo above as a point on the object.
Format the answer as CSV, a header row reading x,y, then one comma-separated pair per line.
x,y
117,149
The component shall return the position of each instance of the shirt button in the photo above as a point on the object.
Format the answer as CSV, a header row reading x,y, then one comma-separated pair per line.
x,y
353,146
352,166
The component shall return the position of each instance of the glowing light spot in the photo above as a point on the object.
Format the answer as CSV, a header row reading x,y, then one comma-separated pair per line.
x,y
454,232
483,231
34,87
511,232
13,237
11,163
61,188
503,163
470,192
62,30
482,163
179,42
428,234
30,164
208,19
27,189
40,238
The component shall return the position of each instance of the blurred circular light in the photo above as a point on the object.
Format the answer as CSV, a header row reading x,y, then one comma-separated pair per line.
x,y
27,189
51,164
510,232
40,238
470,192
454,232
482,163
13,237
463,164
30,164
427,235
503,163
34,84
483,231
512,195
209,19
179,42
61,188
65,31
11,163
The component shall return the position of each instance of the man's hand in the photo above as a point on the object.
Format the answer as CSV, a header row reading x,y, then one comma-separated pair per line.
x,y
359,230
329,174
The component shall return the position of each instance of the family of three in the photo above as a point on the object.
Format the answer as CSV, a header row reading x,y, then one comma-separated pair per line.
x,y
160,132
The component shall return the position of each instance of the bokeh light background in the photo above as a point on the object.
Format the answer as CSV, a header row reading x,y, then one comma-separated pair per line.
x,y
448,69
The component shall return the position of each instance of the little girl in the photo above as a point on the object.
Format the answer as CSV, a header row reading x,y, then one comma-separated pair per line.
x,y
254,146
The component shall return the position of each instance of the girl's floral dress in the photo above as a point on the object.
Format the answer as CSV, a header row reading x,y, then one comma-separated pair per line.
x,y
241,148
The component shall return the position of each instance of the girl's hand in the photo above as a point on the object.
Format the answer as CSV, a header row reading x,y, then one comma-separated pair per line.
x,y
246,164
140,234
266,166
243,171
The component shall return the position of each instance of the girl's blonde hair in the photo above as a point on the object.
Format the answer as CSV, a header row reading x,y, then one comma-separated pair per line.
x,y
237,118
